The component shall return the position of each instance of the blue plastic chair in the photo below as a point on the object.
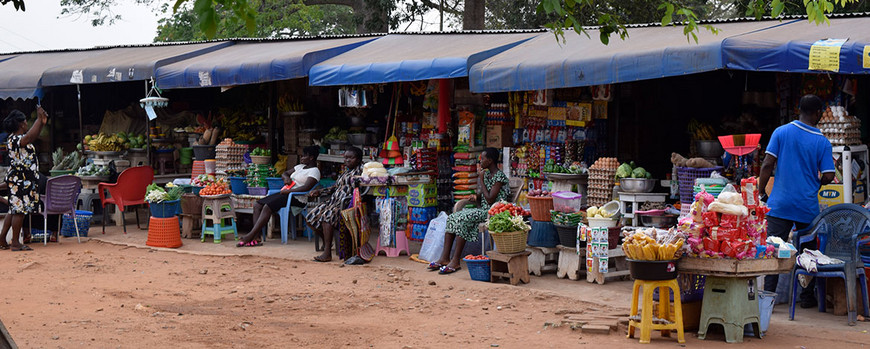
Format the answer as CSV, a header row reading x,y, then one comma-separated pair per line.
x,y
837,229
290,220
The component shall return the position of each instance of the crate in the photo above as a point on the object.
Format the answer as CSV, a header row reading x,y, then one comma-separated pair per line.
x,y
478,269
687,177
83,220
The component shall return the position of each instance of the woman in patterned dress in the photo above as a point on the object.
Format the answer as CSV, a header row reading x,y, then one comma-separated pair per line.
x,y
325,217
23,176
492,186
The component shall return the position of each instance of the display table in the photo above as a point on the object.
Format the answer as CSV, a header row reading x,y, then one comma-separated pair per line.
x,y
635,199
730,292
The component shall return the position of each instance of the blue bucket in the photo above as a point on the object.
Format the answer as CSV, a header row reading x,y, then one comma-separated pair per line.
x,y
165,209
83,221
238,185
274,183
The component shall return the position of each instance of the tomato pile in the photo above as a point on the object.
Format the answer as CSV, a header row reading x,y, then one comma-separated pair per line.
x,y
216,188
478,257
502,206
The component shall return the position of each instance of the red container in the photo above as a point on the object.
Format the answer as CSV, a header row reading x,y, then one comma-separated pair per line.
x,y
540,207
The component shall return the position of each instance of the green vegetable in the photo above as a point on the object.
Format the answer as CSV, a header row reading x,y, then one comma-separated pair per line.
x,y
505,222
623,171
174,193
638,173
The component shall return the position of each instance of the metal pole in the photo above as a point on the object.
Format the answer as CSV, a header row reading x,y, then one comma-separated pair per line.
x,y
81,126
847,175
148,130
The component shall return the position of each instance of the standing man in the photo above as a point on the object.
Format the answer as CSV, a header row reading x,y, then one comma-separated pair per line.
x,y
800,153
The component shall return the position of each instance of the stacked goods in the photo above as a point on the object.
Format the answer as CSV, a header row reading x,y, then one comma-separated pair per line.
x,y
839,128
216,188
464,175
654,245
601,177
257,175
203,180
567,219
730,226
574,149
230,156
497,114
422,205
424,159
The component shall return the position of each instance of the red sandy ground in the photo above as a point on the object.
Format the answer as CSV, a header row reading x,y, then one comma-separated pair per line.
x,y
104,295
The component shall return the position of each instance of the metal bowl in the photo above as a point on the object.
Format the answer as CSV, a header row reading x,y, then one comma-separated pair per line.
x,y
709,149
663,221
357,138
637,185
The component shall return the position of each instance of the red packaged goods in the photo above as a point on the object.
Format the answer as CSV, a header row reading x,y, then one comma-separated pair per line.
x,y
711,245
749,191
724,234
463,156
729,221
465,175
460,197
465,181
465,187
464,168
711,219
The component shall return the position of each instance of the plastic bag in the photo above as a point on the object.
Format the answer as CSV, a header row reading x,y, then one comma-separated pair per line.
x,y
433,244
730,196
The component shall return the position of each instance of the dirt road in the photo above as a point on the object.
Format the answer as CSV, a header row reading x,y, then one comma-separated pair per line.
x,y
102,295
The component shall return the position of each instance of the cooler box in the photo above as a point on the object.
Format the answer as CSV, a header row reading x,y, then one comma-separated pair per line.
x,y
832,194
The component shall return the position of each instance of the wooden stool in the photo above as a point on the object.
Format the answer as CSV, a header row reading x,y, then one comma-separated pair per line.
x,y
542,259
187,223
514,266
665,322
620,269
570,263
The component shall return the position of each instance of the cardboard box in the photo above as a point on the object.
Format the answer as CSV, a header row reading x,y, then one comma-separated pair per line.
x,y
393,190
422,191
422,202
499,136
832,194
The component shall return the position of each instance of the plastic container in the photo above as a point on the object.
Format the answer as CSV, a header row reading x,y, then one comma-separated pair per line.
x,y
259,191
165,209
185,156
540,207
195,190
479,269
687,177
274,183
766,300
691,288
567,235
544,234
602,222
210,166
238,185
566,201
652,270
83,220
204,152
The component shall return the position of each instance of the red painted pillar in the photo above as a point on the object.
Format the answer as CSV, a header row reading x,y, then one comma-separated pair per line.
x,y
444,96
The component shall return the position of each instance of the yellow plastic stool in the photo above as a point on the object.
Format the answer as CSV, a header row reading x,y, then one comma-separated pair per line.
x,y
646,325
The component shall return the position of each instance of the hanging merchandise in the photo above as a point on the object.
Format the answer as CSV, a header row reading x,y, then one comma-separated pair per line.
x,y
391,153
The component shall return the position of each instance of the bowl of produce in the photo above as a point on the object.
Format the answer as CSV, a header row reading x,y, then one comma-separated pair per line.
x,y
357,138
630,170
658,221
261,156
637,185
709,149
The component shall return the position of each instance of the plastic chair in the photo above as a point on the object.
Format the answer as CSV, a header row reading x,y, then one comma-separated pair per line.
x,y
61,195
288,219
837,229
128,191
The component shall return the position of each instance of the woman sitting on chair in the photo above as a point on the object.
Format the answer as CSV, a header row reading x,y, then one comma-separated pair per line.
x,y
492,186
325,218
301,178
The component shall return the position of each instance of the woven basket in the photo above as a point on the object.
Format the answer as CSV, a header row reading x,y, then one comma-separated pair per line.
x,y
479,269
540,207
510,241
261,160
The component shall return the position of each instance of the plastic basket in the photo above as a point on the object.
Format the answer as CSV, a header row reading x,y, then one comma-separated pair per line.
x,y
238,185
165,209
478,269
37,235
164,232
691,288
261,191
567,235
540,207
274,183
83,220
687,177
510,241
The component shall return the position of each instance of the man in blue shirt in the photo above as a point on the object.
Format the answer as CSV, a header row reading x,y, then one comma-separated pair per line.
x,y
800,153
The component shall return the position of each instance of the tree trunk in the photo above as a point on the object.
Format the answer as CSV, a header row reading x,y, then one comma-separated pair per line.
x,y
473,17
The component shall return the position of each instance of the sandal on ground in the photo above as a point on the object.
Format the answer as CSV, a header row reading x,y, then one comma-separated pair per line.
x,y
434,266
21,248
4,247
322,260
448,270
252,243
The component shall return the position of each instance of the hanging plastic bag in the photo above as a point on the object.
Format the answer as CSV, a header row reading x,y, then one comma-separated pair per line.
x,y
433,244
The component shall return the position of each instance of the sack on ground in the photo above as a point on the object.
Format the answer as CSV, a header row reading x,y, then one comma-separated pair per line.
x,y
433,243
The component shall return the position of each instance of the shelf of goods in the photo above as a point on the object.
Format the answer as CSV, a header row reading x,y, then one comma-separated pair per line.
x,y
465,175
601,180
839,128
230,155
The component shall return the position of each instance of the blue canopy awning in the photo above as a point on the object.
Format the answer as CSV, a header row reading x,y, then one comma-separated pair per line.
x,y
21,74
254,62
124,63
649,52
786,48
413,57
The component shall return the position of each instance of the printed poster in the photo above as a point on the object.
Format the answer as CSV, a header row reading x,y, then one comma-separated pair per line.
x,y
825,55
866,57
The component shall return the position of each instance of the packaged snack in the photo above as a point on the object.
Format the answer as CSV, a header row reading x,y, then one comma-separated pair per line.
x,y
465,175
749,191
711,219
461,187
465,181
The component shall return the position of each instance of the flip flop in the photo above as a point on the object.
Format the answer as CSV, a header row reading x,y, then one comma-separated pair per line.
x,y
21,248
448,270
318,259
434,266
252,243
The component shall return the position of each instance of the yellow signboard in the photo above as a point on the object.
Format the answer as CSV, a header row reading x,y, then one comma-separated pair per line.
x,y
866,57
825,55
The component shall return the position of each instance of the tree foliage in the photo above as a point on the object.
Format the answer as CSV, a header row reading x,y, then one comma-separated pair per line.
x,y
18,4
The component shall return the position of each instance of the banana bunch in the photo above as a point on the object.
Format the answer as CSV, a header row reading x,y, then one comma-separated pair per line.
x,y
701,131
102,142
640,246
287,103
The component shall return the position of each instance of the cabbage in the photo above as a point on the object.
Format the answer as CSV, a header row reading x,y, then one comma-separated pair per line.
x,y
637,173
623,171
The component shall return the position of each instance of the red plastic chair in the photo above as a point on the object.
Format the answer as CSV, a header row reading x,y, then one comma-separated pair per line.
x,y
128,191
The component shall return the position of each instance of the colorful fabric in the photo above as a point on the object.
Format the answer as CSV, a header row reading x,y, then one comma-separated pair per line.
x,y
464,223
341,194
23,176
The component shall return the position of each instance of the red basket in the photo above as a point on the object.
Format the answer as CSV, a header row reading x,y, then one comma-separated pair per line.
x,y
164,232
687,177
540,207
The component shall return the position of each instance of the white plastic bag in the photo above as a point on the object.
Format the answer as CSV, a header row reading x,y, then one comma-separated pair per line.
x,y
433,243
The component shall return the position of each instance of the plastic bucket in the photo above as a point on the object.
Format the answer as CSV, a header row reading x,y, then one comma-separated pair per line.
x,y
766,300
274,183
478,269
204,152
238,185
185,156
210,166
165,209
543,234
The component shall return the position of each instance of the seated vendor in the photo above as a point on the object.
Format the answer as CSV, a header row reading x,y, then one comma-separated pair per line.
x,y
300,178
492,186
325,218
